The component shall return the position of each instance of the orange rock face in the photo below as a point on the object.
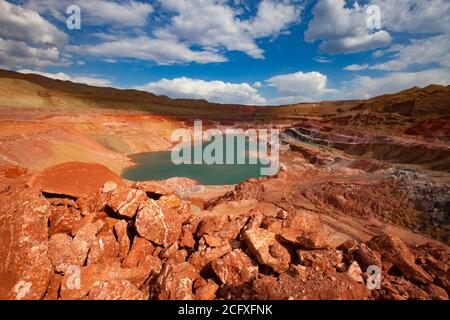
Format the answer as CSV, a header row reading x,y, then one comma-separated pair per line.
x,y
158,224
74,179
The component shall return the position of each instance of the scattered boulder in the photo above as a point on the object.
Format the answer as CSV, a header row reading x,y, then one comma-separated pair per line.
x,y
305,230
25,269
140,249
201,258
267,249
104,248
158,224
123,200
323,259
355,272
206,290
234,268
117,289
175,282
121,231
398,253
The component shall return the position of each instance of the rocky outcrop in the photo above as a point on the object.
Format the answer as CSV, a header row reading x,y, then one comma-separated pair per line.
x,y
119,242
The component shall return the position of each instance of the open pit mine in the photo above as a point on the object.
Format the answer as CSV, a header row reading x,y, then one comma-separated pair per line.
x,y
359,208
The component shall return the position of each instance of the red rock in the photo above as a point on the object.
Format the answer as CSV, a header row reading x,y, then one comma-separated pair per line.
x,y
165,187
436,292
175,282
79,282
120,228
199,259
116,290
140,249
175,203
355,272
14,172
83,240
63,219
180,256
267,250
254,221
305,230
308,284
206,291
234,268
212,241
186,239
103,248
125,201
396,251
366,257
211,224
89,218
60,251
169,252
76,179
267,288
25,268
53,287
324,258
157,224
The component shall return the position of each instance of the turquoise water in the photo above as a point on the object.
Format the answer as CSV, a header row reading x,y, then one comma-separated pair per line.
x,y
158,165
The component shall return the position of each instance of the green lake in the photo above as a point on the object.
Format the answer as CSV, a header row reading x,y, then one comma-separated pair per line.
x,y
159,165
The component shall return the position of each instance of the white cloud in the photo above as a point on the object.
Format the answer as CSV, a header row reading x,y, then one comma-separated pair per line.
x,y
126,13
214,24
415,16
213,91
162,51
17,54
271,18
257,84
424,51
93,81
356,67
310,84
209,23
18,23
343,30
364,87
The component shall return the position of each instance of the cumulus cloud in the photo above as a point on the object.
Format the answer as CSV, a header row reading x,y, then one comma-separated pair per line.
x,y
415,16
93,81
418,52
271,18
213,91
213,23
363,87
343,30
163,51
18,23
309,84
18,54
126,13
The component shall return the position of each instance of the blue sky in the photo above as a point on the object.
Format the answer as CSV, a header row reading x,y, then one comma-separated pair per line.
x,y
234,51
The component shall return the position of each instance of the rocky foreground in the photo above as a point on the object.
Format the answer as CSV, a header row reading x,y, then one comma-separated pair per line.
x,y
78,231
